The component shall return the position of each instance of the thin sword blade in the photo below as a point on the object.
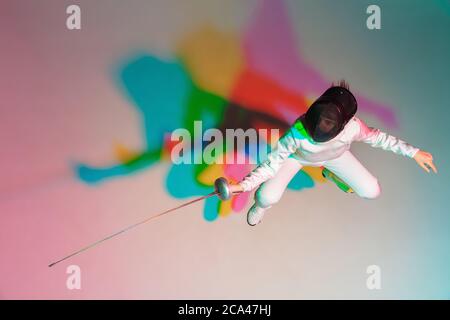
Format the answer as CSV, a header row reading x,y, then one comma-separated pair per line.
x,y
131,227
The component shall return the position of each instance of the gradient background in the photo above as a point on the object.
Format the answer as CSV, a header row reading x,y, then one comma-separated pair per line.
x,y
61,106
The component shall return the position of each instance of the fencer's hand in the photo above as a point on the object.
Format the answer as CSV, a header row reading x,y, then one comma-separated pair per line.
x,y
425,160
236,188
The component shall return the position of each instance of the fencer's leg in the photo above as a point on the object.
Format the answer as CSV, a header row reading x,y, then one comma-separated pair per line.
x,y
348,168
270,192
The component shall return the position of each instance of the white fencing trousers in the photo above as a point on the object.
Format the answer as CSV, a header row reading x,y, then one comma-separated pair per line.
x,y
346,167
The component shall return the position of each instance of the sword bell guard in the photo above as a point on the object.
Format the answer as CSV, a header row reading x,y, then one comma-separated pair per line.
x,y
222,187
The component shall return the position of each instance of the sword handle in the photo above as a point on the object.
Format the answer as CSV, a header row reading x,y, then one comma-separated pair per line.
x,y
223,189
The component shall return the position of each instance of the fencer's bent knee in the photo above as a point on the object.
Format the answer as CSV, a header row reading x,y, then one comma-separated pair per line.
x,y
372,190
265,197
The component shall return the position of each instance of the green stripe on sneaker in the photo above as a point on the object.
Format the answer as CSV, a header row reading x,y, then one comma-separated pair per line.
x,y
334,178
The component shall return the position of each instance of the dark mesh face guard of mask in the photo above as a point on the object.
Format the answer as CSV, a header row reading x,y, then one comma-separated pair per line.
x,y
329,114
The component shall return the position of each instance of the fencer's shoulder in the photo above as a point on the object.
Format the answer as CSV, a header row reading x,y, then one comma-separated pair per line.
x,y
352,128
353,124
361,125
357,120
298,130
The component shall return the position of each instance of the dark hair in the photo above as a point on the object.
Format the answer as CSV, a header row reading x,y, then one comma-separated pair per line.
x,y
341,83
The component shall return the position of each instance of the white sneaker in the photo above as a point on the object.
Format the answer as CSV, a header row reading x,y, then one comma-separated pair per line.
x,y
255,215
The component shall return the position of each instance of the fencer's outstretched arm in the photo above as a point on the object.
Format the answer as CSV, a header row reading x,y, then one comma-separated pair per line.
x,y
286,145
379,139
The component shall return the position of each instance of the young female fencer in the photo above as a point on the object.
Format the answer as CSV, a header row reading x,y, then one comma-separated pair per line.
x,y
322,137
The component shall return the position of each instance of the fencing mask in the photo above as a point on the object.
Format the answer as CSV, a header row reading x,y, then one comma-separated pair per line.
x,y
329,114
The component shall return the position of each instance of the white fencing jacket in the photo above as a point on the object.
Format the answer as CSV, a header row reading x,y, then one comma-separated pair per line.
x,y
297,143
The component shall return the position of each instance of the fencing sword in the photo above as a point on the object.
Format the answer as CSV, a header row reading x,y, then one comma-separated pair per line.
x,y
221,189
